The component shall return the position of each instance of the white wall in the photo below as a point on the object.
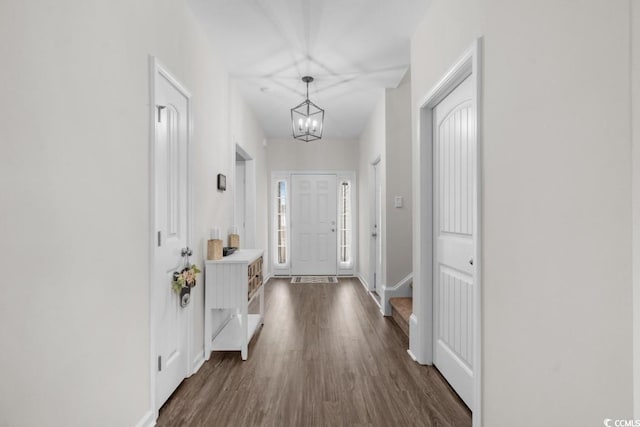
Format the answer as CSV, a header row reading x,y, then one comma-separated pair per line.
x,y
247,133
74,178
323,155
371,146
635,120
557,201
399,237
388,136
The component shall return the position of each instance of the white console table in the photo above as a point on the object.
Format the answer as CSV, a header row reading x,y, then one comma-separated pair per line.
x,y
232,283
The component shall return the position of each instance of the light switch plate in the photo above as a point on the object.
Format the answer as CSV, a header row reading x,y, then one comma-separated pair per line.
x,y
398,202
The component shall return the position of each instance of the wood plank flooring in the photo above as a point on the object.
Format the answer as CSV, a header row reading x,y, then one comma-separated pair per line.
x,y
324,357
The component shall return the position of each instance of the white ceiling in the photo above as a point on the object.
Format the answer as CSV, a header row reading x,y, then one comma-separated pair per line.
x,y
353,48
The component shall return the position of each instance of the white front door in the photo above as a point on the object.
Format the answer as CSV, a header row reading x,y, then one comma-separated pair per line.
x,y
171,237
454,201
313,225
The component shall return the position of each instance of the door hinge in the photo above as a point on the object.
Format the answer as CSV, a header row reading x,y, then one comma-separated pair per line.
x,y
159,363
159,238
160,108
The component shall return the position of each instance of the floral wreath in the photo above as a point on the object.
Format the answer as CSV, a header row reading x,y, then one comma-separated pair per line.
x,y
185,278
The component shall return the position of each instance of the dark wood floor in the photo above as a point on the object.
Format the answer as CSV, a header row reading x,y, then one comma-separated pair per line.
x,y
324,357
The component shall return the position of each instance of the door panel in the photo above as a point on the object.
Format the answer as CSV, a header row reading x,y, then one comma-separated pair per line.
x,y
324,241
171,218
454,183
303,250
313,219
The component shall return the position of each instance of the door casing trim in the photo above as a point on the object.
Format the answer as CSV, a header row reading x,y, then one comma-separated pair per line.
x,y
421,326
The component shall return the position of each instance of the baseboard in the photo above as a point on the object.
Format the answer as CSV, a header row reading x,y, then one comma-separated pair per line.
x,y
148,420
365,285
411,355
385,306
363,281
376,301
197,362
415,350
266,278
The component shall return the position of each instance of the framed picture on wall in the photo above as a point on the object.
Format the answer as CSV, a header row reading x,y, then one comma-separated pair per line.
x,y
222,182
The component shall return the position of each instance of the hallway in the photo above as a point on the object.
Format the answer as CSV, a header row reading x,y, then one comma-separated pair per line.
x,y
324,356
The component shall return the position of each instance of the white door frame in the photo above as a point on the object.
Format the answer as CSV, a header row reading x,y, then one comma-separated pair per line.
x,y
285,175
421,322
249,195
157,69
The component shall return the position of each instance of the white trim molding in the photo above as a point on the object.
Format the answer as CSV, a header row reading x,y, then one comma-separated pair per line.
x,y
147,420
197,362
363,281
368,290
413,329
421,321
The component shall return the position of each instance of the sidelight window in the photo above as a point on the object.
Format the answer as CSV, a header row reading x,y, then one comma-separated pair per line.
x,y
281,223
344,223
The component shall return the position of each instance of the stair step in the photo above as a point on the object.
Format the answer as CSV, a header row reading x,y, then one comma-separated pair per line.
x,y
404,306
401,309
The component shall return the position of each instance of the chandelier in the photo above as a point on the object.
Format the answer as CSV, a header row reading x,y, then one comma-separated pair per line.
x,y
307,118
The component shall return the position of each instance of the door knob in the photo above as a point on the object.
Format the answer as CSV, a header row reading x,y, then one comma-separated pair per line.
x,y
333,229
374,234
471,261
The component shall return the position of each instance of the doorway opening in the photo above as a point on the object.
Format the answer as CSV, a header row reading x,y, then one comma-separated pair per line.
x,y
244,206
313,223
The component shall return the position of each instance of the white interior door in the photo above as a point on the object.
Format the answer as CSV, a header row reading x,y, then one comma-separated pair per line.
x,y
376,232
454,210
241,201
313,225
171,220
